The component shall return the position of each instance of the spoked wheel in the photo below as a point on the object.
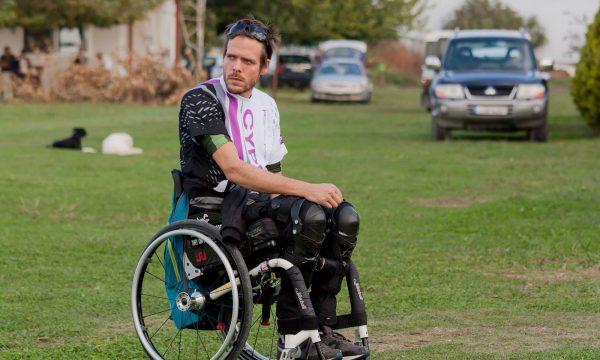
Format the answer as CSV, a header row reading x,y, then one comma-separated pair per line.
x,y
261,343
200,316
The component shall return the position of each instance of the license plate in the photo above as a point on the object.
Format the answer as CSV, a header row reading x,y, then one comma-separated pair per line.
x,y
491,110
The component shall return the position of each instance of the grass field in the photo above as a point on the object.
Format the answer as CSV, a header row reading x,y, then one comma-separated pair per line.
x,y
480,247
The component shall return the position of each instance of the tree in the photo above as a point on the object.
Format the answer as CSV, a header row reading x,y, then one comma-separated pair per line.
x,y
575,38
8,16
584,87
486,14
310,21
38,15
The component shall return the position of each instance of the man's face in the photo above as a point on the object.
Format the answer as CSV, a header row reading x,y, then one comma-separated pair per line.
x,y
242,65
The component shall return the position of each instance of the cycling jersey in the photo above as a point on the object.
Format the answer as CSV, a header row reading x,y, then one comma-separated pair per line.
x,y
252,124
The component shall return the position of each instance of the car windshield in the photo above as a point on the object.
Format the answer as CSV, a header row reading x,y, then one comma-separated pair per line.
x,y
343,52
340,69
489,54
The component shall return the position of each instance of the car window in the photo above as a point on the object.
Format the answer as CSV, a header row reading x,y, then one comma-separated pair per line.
x,y
294,59
340,69
489,54
435,48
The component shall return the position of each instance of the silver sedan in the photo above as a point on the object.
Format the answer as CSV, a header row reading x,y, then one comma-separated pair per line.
x,y
341,80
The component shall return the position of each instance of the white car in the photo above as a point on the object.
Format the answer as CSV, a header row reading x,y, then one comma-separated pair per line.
x,y
341,80
354,49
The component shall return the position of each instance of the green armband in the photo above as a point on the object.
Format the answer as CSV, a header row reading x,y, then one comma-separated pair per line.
x,y
211,143
274,168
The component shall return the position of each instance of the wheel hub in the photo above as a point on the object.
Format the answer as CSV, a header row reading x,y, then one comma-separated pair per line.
x,y
194,301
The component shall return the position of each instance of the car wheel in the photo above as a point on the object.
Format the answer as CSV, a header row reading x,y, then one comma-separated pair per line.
x,y
426,101
438,133
540,133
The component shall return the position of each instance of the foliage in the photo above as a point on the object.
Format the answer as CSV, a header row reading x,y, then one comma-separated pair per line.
x,y
44,15
7,13
492,14
390,62
585,86
310,21
126,11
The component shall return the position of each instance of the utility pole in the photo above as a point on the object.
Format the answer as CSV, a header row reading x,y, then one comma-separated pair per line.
x,y
200,22
177,33
129,43
275,77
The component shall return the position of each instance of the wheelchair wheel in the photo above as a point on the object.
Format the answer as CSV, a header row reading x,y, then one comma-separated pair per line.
x,y
261,343
208,318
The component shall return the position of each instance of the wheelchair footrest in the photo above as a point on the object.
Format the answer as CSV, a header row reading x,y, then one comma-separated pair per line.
x,y
350,320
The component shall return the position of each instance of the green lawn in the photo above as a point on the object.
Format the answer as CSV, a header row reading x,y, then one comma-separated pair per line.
x,y
480,247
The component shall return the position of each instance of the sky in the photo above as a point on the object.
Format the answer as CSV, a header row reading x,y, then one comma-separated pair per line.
x,y
556,16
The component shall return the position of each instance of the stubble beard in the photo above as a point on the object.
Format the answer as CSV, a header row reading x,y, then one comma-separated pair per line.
x,y
248,86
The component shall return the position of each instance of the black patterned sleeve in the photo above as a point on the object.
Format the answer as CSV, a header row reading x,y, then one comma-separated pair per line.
x,y
203,114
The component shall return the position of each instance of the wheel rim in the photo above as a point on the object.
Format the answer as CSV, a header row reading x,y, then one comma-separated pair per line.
x,y
151,309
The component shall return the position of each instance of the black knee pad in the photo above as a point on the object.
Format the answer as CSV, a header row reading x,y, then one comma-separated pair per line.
x,y
342,231
305,232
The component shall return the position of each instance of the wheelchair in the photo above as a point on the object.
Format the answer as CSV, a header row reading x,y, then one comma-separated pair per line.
x,y
193,296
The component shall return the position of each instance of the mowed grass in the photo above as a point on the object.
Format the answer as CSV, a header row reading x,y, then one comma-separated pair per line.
x,y
485,246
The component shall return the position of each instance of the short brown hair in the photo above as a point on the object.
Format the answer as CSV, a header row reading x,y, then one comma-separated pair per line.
x,y
270,42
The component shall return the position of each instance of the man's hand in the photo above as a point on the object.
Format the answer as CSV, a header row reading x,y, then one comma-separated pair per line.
x,y
326,195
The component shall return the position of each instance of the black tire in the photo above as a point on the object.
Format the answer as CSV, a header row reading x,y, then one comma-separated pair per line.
x,y
426,101
438,133
540,133
151,312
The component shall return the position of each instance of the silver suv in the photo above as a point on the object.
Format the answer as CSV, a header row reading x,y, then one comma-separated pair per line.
x,y
489,80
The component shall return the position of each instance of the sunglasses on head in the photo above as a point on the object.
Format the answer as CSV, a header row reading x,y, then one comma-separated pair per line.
x,y
256,31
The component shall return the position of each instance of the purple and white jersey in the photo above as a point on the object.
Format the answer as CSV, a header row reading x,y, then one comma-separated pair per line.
x,y
253,125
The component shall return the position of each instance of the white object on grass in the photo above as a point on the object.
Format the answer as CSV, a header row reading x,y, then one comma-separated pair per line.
x,y
119,144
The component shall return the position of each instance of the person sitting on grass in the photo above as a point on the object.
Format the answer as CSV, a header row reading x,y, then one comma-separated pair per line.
x,y
8,61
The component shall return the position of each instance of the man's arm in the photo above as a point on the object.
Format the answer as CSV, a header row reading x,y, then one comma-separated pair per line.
x,y
277,174
248,176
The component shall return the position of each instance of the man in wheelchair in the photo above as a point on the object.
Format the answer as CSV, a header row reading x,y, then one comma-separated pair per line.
x,y
230,155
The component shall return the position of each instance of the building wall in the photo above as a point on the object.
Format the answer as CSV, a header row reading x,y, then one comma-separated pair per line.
x,y
154,35
15,38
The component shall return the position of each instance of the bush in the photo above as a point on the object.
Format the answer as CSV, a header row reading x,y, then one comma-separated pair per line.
x,y
394,63
143,80
585,86
395,77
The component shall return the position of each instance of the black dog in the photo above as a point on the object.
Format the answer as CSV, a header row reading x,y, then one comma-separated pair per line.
x,y
73,142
